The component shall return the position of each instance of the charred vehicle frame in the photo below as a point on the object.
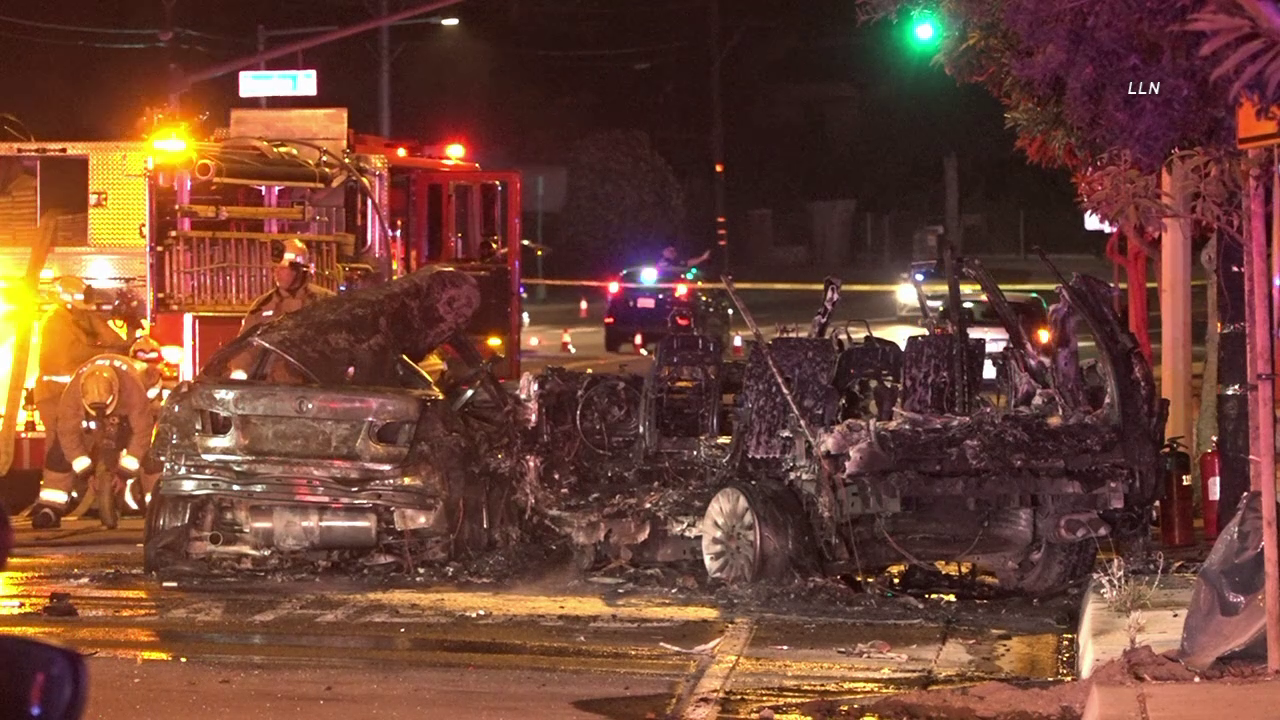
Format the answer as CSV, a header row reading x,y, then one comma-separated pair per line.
x,y
317,437
935,472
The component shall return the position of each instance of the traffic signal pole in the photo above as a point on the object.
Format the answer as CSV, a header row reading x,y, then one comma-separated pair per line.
x,y
717,137
184,83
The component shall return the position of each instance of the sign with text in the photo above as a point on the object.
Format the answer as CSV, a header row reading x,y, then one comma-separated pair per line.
x,y
277,83
1252,132
1093,223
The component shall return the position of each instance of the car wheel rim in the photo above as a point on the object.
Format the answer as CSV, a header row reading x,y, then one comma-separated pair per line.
x,y
730,537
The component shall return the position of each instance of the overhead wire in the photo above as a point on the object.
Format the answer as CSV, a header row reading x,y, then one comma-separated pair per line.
x,y
81,43
602,53
74,28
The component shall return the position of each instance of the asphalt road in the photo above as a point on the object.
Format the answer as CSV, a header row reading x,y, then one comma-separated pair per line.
x,y
558,646
554,647
771,310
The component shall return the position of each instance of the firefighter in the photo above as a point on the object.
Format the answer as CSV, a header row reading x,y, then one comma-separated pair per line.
x,y
294,288
71,334
110,391
147,354
670,260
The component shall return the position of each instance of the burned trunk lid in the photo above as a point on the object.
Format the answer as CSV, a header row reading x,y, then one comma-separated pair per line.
x,y
251,427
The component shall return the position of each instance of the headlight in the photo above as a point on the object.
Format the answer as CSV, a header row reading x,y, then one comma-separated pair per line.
x,y
907,294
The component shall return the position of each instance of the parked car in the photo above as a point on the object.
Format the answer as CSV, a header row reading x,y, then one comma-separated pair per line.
x,y
984,322
643,300
925,278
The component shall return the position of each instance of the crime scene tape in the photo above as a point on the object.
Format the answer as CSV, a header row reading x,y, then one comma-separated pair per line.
x,y
810,287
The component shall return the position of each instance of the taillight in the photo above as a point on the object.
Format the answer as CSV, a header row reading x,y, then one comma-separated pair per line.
x,y
1042,336
614,287
682,290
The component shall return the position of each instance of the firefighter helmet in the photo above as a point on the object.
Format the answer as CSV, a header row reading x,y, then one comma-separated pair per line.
x,y
72,291
146,350
99,388
294,254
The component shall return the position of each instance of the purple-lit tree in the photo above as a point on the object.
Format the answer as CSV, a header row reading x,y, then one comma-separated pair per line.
x,y
1063,72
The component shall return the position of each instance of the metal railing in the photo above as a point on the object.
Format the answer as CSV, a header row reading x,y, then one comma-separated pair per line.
x,y
224,271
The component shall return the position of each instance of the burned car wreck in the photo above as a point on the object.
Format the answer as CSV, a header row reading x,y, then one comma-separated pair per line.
x,y
930,471
317,437
843,455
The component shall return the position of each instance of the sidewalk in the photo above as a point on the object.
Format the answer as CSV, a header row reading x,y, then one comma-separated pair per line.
x,y
1104,635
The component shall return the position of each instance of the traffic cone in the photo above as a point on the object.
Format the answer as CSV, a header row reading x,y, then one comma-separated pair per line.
x,y
566,343
737,345
582,308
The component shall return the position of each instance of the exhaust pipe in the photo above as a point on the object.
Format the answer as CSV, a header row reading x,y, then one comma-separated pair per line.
x,y
1081,526
290,528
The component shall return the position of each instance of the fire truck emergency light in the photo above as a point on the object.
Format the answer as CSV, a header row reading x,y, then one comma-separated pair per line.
x,y
169,141
455,151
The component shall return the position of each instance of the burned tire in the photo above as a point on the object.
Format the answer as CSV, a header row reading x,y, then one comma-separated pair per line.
x,y
166,532
754,532
1048,567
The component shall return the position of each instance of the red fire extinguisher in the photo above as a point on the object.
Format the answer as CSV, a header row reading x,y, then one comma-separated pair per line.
x,y
1176,519
1211,487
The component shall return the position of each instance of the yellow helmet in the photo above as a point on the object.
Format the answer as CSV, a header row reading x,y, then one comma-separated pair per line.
x,y
295,253
99,388
146,350
72,291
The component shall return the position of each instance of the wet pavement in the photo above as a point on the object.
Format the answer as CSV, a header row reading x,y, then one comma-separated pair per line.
x,y
580,648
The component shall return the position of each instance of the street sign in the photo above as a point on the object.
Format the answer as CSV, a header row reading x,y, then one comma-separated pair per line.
x,y
1252,132
277,83
1093,223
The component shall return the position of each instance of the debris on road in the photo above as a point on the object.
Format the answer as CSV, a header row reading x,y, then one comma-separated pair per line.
x,y
707,648
60,606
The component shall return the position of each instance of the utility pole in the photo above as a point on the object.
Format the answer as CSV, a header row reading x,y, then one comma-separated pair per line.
x,y
384,74
170,63
183,83
1175,307
1261,372
717,136
955,231
262,47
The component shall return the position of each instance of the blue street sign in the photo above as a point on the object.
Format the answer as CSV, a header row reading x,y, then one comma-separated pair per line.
x,y
277,83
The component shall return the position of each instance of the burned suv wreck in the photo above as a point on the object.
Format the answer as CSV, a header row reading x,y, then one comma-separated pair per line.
x,y
853,457
317,437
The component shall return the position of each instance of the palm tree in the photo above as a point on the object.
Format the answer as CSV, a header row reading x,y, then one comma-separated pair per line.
x,y
1250,29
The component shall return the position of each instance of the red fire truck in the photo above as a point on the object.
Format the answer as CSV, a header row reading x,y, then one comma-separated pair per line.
x,y
188,226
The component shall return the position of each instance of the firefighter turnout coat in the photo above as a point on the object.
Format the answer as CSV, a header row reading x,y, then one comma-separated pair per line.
x,y
279,302
132,403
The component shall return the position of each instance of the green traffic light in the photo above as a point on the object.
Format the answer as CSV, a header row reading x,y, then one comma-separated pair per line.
x,y
924,31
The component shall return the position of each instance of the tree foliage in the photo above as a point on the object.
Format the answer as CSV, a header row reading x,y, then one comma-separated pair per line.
x,y
621,193
1248,31
1063,72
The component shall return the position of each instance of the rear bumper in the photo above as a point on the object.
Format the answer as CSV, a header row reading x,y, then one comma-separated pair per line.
x,y
298,491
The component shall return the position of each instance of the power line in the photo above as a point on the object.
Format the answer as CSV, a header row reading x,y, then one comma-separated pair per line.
x,y
73,28
602,53
81,43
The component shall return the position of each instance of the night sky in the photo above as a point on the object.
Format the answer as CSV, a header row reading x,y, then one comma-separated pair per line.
x,y
521,80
